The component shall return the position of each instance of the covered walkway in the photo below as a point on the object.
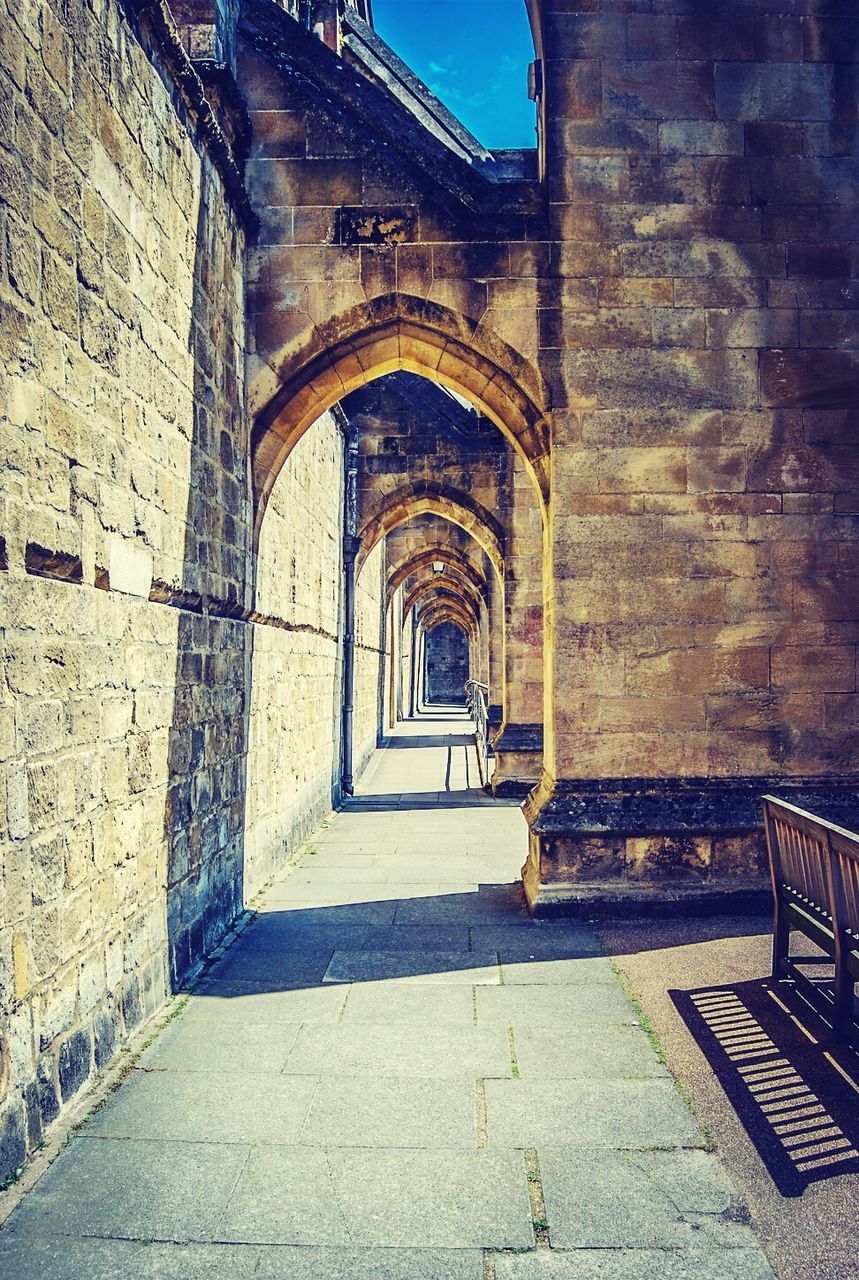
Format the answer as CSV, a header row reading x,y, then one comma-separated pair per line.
x,y
393,1073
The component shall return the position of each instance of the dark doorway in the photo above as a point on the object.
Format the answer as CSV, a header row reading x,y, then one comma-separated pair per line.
x,y
446,666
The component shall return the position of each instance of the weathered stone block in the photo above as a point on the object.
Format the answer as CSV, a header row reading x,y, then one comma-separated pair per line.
x,y
658,90
75,1063
826,670
649,379
585,35
679,328
818,379
706,36
575,89
701,138
661,858
716,470
13,1146
757,91
751,328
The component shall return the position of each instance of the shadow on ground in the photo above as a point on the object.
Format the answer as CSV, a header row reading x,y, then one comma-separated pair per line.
x,y
471,935
794,1089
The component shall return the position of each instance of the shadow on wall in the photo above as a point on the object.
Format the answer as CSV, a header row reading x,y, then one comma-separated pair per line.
x,y
208,744
807,374
795,1093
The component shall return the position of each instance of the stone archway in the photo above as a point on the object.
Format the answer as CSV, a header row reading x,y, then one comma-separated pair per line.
x,y
295,387
326,361
448,556
430,499
433,591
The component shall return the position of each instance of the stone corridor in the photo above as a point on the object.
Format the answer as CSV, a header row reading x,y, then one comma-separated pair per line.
x,y
393,1072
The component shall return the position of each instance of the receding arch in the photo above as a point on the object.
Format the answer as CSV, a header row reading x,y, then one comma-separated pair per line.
x,y
448,556
435,591
434,613
421,499
448,583
465,625
393,332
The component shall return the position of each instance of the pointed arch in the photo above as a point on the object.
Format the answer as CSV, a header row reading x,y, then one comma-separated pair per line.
x,y
449,583
434,591
450,504
392,332
435,612
449,556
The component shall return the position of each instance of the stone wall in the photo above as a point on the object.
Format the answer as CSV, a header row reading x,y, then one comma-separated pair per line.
x,y
661,328
672,304
143,654
296,665
371,651
124,447
703,185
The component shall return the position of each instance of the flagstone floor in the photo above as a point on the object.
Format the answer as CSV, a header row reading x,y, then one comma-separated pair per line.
x,y
394,1074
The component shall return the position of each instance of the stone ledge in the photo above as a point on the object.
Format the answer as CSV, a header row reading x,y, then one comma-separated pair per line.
x,y
660,846
519,737
512,789
688,806
587,900
494,717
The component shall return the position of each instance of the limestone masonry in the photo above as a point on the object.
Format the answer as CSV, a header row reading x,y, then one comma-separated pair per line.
x,y
300,382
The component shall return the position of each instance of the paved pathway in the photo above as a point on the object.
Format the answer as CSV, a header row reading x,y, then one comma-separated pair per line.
x,y
395,1075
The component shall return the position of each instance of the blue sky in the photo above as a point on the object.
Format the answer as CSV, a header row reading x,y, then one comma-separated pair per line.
x,y
474,55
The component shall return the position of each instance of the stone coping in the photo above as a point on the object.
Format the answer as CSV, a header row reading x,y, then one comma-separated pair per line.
x,y
650,806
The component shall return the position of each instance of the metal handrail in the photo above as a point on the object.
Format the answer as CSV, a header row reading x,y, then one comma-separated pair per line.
x,y
476,700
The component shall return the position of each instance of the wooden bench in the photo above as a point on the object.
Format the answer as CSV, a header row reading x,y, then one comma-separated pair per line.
x,y
814,868
815,876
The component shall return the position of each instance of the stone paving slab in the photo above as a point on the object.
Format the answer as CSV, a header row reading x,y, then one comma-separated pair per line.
x,y
398,1003
351,914
574,1053
635,1264
316,872
538,942
232,1002
373,1111
417,868
414,967
423,848
609,1113
418,1052
331,889
61,1258
238,1048
269,965
291,933
613,1199
296,1263
132,1189
341,856
530,973
219,1108
367,835
553,1005
474,908
394,1198
373,898
416,938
